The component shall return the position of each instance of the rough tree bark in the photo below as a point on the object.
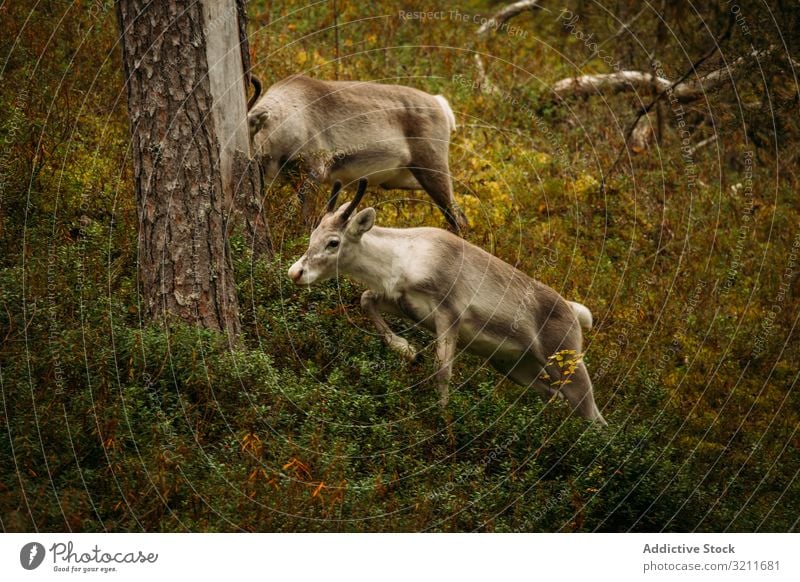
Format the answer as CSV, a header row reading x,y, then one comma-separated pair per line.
x,y
189,134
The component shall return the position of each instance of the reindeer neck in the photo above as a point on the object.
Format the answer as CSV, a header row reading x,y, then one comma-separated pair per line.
x,y
376,264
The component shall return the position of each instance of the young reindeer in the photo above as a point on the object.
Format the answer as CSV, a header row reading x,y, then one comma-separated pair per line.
x,y
467,297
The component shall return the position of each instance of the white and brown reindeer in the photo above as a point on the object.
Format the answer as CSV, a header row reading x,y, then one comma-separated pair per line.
x,y
342,130
468,298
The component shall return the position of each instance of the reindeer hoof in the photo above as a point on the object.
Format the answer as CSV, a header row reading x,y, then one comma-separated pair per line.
x,y
410,353
402,347
458,224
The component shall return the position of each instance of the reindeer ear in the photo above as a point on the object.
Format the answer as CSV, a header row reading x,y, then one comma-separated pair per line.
x,y
361,223
258,120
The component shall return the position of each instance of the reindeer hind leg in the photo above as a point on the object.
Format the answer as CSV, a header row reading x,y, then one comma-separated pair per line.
x,y
580,395
434,177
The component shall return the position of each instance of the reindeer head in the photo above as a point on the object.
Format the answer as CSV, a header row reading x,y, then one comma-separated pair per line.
x,y
335,241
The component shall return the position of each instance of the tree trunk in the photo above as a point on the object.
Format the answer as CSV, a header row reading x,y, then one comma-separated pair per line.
x,y
187,108
249,195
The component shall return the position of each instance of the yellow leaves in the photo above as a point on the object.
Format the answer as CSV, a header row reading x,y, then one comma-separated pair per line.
x,y
566,362
476,163
303,477
585,184
493,189
489,207
251,443
300,468
672,378
260,475
109,444
540,158
333,493
256,473
304,59
470,205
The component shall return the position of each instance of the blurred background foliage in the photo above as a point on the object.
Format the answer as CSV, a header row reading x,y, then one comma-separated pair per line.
x,y
311,424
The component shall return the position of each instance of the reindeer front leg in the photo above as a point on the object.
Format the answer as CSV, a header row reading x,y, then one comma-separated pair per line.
x,y
446,343
371,303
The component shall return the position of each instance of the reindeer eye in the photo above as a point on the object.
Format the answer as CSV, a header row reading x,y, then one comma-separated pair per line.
x,y
333,244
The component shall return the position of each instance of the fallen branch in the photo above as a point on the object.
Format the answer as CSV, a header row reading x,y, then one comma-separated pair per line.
x,y
702,144
496,22
484,82
639,81
587,85
646,110
505,14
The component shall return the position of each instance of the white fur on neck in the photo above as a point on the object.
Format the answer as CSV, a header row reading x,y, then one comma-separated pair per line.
x,y
384,262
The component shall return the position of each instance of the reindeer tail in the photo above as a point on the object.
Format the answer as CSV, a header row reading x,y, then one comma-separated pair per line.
x,y
583,314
